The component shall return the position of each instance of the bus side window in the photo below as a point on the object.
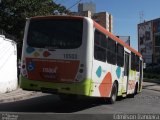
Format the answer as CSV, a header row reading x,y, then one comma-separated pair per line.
x,y
137,63
100,46
99,53
133,61
111,51
120,55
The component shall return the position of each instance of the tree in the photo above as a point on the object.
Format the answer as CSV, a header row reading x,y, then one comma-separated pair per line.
x,y
13,14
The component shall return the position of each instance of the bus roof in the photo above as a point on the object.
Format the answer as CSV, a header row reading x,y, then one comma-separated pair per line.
x,y
102,29
58,16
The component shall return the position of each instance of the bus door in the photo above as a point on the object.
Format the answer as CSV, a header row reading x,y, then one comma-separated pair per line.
x,y
126,69
140,78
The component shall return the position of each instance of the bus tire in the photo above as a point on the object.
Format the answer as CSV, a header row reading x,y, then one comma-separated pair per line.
x,y
135,91
113,96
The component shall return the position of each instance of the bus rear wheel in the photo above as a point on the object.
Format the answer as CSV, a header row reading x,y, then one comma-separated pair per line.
x,y
135,92
113,96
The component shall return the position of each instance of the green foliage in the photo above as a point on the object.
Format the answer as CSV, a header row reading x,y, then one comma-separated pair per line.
x,y
151,76
152,72
13,14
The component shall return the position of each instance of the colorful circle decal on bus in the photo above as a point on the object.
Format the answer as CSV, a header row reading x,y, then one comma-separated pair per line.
x,y
46,54
99,71
36,54
30,50
118,72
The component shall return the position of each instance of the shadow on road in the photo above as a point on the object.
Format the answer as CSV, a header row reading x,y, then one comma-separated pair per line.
x,y
146,86
50,103
151,86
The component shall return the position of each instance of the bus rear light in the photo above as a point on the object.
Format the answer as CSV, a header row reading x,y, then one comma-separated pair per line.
x,y
82,65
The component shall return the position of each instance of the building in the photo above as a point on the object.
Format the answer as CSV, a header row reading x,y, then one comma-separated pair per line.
x,y
87,7
149,40
126,39
105,19
89,10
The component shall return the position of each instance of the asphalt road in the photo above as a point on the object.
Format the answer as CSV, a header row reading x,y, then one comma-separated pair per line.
x,y
146,102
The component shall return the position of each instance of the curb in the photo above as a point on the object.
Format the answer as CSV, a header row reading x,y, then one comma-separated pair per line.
x,y
16,95
152,89
151,80
151,86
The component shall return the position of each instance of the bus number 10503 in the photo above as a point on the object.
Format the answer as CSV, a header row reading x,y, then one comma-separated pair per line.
x,y
70,56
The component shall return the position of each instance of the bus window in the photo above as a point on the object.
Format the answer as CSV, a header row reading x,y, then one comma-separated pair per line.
x,y
97,35
57,33
100,46
111,51
100,39
99,53
133,65
137,63
126,65
120,55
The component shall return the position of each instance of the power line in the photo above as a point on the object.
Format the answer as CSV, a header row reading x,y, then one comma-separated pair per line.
x,y
55,1
74,4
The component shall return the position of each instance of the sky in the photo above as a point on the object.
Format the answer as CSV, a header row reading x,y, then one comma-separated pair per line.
x,y
126,14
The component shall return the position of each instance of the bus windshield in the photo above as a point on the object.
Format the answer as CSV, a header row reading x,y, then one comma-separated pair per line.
x,y
55,33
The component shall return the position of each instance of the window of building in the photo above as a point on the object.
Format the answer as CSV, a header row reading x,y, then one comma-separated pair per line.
x,y
157,50
147,35
157,40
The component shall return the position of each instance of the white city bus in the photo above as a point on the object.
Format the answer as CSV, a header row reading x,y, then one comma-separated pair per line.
x,y
72,56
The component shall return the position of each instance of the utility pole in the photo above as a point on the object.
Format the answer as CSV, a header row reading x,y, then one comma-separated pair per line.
x,y
141,16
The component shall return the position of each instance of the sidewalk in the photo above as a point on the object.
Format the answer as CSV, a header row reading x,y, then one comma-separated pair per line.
x,y
17,94
151,80
151,86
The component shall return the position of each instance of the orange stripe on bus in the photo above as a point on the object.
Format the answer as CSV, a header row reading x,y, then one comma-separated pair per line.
x,y
100,28
58,17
